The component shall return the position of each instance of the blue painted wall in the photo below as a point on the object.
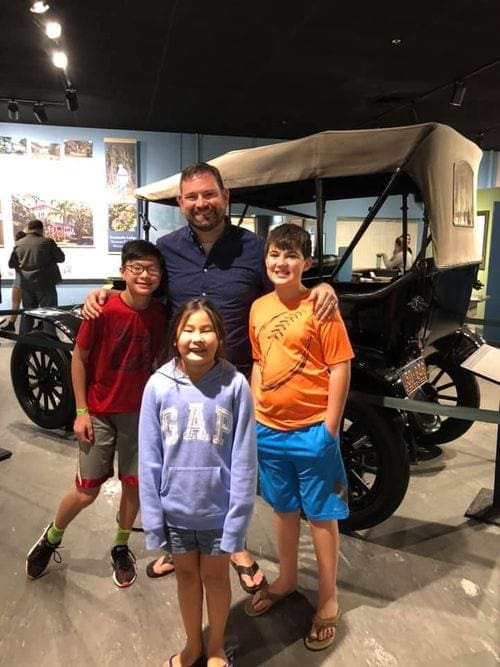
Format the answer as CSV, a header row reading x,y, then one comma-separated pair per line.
x,y
492,304
487,177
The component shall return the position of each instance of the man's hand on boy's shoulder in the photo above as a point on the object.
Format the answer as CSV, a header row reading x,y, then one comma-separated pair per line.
x,y
325,301
92,306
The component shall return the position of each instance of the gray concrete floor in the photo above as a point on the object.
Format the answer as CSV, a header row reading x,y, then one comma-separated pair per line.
x,y
419,589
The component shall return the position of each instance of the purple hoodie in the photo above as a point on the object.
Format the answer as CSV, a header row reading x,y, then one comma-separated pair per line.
x,y
197,454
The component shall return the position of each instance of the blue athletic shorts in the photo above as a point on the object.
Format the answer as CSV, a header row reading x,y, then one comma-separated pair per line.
x,y
182,541
302,469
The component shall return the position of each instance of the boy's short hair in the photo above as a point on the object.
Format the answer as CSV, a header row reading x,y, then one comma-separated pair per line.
x,y
194,170
139,249
290,237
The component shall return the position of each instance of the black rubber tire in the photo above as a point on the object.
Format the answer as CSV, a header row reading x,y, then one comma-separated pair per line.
x,y
376,461
41,377
449,384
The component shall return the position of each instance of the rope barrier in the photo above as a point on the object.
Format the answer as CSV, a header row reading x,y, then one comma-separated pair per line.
x,y
456,411
479,320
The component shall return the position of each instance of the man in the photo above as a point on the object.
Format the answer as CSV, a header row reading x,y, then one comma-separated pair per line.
x,y
210,257
37,259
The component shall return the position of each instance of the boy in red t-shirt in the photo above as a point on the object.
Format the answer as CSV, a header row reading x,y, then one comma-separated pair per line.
x,y
300,380
112,361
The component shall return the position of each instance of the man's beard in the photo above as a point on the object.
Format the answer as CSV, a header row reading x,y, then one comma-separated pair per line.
x,y
212,220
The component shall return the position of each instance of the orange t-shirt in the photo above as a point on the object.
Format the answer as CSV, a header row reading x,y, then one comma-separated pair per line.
x,y
294,351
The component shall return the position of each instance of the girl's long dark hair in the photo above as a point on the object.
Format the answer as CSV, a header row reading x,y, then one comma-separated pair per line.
x,y
180,316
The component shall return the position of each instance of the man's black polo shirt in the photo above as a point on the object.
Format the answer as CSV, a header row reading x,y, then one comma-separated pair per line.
x,y
232,276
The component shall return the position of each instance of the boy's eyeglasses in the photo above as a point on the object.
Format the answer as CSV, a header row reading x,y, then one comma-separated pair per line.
x,y
137,269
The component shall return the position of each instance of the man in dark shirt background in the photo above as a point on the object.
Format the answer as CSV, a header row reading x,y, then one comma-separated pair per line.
x,y
213,258
37,259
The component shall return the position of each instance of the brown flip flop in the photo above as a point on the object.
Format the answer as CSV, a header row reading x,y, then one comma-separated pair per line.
x,y
264,594
249,570
321,624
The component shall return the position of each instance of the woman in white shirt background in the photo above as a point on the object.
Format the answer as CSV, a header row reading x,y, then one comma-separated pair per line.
x,y
396,261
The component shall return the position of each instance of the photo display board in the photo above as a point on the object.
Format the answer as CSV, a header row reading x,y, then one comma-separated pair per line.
x,y
82,191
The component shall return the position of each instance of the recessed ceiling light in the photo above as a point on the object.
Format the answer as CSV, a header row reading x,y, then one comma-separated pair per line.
x,y
396,41
39,7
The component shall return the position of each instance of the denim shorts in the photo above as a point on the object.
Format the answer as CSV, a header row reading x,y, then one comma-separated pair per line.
x,y
182,541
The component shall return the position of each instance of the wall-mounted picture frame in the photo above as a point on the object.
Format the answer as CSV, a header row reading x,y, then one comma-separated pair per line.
x,y
482,220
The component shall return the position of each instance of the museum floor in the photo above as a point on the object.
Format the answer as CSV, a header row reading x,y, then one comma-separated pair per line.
x,y
419,589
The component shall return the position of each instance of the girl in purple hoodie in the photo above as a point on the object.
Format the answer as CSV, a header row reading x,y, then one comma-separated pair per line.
x,y
198,472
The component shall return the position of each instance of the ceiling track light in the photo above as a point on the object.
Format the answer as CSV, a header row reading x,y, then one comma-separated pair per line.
x,y
459,90
71,99
457,97
13,108
39,112
53,30
39,106
39,7
60,59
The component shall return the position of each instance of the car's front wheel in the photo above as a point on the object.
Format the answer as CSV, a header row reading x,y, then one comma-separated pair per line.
x,y
41,377
376,461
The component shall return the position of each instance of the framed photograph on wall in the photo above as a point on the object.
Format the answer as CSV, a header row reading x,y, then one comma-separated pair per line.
x,y
482,219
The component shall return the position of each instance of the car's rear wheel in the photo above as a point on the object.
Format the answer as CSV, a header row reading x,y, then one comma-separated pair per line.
x,y
377,464
41,377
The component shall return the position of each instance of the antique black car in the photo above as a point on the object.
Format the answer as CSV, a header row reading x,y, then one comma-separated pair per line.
x,y
406,326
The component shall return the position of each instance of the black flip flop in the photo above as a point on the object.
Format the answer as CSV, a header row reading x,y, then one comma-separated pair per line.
x,y
249,570
167,559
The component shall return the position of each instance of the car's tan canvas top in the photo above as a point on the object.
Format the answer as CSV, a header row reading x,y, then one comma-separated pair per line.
x,y
442,164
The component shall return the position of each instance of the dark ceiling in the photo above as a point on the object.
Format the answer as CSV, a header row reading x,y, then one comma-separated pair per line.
x,y
277,68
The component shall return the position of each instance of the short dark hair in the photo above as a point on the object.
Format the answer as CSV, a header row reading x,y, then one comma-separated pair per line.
x,y
19,235
35,226
199,168
181,315
138,249
290,237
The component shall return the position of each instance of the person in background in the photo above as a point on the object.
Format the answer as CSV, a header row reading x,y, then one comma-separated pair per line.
x,y
111,363
209,257
17,293
37,258
396,261
300,381
198,473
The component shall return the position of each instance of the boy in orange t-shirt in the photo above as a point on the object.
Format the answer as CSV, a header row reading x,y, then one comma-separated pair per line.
x,y
300,381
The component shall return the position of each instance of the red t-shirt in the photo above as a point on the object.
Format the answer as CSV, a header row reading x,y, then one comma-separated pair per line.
x,y
123,344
